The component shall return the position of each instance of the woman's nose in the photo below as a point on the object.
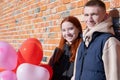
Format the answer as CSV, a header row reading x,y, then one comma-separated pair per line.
x,y
67,32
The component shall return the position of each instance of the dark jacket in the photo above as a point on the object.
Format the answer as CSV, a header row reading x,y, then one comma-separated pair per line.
x,y
89,60
63,69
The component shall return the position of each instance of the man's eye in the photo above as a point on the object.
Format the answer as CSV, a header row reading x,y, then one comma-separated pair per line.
x,y
94,14
85,14
63,30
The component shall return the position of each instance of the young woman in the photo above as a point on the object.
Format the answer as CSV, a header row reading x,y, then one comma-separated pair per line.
x,y
62,61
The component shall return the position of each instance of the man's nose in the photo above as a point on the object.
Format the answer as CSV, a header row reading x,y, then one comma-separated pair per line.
x,y
90,18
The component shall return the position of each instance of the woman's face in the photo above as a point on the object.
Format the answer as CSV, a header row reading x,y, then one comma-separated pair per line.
x,y
69,32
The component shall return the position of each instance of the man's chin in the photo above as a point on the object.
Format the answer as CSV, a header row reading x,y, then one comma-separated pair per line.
x,y
90,27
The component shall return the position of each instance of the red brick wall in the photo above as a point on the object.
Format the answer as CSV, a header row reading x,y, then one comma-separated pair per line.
x,y
22,19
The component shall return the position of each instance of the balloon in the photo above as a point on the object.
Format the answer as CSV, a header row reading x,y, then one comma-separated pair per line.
x,y
8,75
30,52
1,69
49,68
8,56
28,71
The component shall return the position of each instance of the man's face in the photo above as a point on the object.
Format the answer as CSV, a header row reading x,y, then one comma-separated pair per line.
x,y
93,15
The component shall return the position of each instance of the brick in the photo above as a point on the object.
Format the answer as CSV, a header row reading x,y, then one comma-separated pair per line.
x,y
107,5
83,25
51,41
66,1
52,5
77,11
61,8
73,5
115,4
43,8
80,4
37,20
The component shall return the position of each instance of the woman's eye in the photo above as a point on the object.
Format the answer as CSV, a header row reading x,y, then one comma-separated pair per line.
x,y
71,28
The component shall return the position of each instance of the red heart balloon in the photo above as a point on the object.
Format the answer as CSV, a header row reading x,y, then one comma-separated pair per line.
x,y
49,68
30,52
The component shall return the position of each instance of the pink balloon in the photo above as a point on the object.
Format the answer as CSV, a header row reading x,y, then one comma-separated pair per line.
x,y
28,71
8,56
8,75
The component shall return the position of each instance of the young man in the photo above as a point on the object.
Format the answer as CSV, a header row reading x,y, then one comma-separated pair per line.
x,y
98,55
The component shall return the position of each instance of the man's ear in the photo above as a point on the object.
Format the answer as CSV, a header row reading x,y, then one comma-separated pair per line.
x,y
106,16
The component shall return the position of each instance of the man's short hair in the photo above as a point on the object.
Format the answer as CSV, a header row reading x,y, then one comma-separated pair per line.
x,y
98,3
